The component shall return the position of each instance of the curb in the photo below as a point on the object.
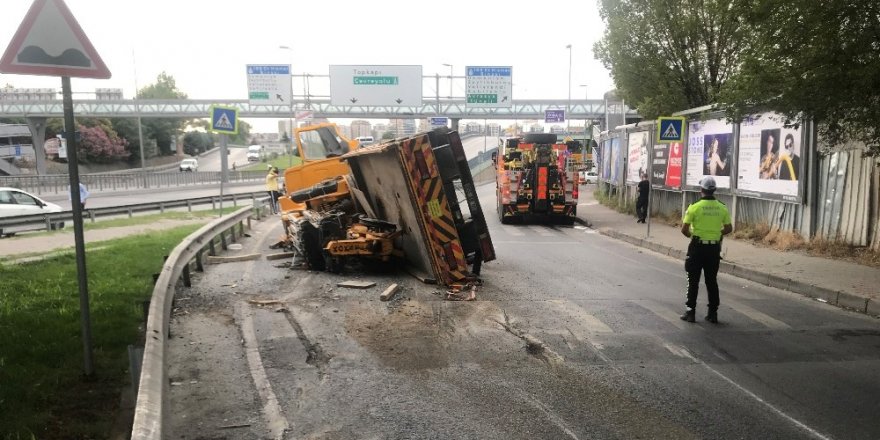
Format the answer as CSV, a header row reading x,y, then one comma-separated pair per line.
x,y
844,300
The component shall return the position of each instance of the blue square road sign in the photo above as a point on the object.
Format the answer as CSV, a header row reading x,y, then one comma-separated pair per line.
x,y
670,129
224,120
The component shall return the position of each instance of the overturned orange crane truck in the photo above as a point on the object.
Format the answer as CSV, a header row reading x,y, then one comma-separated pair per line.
x,y
411,198
537,178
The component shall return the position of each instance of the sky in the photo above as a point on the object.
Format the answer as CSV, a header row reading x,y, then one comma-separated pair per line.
x,y
205,45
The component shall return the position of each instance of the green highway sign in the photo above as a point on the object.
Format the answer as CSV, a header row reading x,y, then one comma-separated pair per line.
x,y
375,80
258,95
482,98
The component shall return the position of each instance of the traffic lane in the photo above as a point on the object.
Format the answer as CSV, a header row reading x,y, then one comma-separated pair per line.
x,y
626,306
211,161
134,196
474,146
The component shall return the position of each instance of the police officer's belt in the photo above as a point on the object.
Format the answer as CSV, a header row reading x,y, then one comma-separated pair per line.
x,y
708,241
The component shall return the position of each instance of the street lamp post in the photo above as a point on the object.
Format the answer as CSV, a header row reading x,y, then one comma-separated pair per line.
x,y
450,78
568,110
585,109
137,107
290,105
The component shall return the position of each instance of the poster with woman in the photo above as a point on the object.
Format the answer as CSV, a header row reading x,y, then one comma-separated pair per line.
x,y
710,152
769,158
637,156
616,161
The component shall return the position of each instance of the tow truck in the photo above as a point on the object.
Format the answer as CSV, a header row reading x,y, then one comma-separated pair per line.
x,y
537,179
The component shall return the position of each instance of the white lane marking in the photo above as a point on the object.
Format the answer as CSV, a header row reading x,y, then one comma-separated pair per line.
x,y
543,232
581,317
763,318
683,352
669,315
540,243
277,423
511,230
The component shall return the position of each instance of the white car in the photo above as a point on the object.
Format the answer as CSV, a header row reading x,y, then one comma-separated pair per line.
x,y
15,202
189,164
589,177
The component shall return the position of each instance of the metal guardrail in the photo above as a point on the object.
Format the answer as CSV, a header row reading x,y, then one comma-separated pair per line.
x,y
152,400
50,219
59,183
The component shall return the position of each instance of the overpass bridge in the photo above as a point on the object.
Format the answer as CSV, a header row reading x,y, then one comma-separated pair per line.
x,y
455,109
36,112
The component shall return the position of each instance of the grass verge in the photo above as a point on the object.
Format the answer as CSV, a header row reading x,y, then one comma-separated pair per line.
x,y
280,162
43,393
772,237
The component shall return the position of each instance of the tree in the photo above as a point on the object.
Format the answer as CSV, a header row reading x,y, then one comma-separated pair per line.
x,y
388,135
162,130
244,133
814,59
671,55
98,146
195,142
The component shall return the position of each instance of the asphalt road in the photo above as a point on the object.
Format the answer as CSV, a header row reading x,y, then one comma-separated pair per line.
x,y
573,335
211,161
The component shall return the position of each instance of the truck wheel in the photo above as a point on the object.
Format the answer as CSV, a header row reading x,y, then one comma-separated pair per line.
x,y
540,138
314,253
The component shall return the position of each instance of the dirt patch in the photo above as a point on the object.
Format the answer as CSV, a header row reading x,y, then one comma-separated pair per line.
x,y
408,336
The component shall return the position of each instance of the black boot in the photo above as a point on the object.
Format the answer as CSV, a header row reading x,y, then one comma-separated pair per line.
x,y
712,316
689,316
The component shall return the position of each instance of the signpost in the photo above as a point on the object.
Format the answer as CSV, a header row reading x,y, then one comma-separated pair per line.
x,y
670,129
224,121
269,84
489,86
376,85
554,116
50,42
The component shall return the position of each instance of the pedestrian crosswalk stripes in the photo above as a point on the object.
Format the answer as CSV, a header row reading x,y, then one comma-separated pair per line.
x,y
755,315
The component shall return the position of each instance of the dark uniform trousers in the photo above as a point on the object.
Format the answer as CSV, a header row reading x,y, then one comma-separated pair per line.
x,y
702,258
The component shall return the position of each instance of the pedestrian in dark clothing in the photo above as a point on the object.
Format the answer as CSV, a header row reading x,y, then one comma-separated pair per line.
x,y
705,223
642,201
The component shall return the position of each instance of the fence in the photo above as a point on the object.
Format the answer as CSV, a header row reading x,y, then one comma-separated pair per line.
x,y
152,398
59,183
837,197
50,220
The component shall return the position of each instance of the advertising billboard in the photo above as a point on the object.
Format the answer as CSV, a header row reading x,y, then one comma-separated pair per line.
x,y
769,161
616,161
637,156
606,160
710,152
666,165
375,85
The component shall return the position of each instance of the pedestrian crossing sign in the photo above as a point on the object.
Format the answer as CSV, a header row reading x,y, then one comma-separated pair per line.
x,y
670,129
224,120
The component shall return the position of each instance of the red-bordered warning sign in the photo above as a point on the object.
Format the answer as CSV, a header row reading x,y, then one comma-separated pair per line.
x,y
50,42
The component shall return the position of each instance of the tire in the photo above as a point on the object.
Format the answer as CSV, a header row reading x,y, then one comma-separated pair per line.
x,y
540,138
314,253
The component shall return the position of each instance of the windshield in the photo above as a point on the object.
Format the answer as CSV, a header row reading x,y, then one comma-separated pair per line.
x,y
320,144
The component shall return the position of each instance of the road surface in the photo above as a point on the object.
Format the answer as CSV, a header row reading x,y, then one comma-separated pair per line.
x,y
573,336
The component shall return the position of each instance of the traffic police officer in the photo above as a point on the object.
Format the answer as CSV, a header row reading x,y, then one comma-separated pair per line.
x,y
705,223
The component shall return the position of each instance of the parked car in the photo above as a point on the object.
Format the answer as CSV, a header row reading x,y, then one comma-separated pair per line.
x,y
15,202
189,164
589,177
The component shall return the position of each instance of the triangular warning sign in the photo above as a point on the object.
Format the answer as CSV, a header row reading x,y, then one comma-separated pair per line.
x,y
49,41
223,122
671,132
